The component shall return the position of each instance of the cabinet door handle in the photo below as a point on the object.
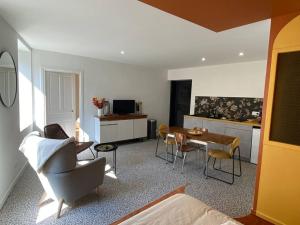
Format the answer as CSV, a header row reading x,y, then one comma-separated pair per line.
x,y
104,125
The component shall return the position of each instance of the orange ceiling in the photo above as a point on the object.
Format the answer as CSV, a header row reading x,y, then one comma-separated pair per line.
x,y
219,15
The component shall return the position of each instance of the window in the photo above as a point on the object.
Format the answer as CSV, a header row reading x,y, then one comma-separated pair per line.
x,y
25,86
285,125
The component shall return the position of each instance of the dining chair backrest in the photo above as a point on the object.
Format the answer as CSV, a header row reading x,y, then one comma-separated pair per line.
x,y
180,138
161,129
234,145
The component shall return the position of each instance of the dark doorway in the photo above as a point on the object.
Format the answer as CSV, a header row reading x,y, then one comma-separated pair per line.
x,y
180,101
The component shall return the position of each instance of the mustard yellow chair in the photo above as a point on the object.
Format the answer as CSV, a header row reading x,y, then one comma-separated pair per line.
x,y
162,134
223,155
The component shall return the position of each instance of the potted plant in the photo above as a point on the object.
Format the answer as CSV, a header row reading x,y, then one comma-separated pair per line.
x,y
99,103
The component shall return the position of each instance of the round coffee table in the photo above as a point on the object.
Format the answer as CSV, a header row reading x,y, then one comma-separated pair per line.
x,y
108,148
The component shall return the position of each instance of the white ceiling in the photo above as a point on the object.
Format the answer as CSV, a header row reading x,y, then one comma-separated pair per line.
x,y
149,37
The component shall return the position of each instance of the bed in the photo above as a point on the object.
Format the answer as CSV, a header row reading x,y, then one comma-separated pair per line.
x,y
177,208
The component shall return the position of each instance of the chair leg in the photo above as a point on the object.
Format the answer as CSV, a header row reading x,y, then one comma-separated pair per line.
x,y
198,156
60,204
92,152
214,163
203,155
167,153
240,162
157,146
172,153
175,159
232,170
205,165
220,167
231,173
240,165
184,156
43,199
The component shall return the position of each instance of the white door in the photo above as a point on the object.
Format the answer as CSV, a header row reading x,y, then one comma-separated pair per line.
x,y
60,100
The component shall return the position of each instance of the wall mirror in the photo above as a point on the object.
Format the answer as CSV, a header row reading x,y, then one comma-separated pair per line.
x,y
8,79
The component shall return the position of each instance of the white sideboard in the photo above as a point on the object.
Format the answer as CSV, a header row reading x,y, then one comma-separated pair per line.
x,y
114,128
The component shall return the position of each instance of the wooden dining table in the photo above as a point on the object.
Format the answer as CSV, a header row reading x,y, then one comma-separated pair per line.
x,y
204,139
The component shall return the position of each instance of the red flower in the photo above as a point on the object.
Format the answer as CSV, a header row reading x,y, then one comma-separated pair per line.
x,y
99,103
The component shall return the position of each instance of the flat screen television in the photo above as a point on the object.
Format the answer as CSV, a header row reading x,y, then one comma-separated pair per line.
x,y
123,106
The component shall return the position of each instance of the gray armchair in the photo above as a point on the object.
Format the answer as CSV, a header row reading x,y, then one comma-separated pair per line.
x,y
65,181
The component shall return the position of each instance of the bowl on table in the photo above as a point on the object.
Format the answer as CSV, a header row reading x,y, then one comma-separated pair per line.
x,y
195,132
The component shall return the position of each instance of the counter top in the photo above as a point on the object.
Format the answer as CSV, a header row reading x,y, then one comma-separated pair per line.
x,y
112,117
252,123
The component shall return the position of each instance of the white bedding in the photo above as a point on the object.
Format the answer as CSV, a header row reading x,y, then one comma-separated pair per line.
x,y
180,209
38,149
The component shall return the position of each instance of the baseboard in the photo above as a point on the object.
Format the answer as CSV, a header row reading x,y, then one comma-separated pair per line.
x,y
11,186
268,218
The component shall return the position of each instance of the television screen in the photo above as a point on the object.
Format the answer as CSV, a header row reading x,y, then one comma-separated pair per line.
x,y
123,106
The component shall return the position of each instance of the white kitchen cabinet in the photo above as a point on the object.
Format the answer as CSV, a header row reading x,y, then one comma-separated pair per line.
x,y
120,128
108,132
139,128
214,126
125,129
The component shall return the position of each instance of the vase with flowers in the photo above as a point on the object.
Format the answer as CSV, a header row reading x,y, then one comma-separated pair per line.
x,y
99,103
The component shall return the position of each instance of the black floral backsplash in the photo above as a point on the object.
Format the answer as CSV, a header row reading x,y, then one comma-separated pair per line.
x,y
229,107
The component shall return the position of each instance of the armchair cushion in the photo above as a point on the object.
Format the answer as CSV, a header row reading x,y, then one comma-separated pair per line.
x,y
76,183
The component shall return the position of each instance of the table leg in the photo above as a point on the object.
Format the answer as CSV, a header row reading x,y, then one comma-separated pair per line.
x,y
115,161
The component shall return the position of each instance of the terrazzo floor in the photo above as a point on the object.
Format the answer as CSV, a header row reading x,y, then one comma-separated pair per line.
x,y
141,178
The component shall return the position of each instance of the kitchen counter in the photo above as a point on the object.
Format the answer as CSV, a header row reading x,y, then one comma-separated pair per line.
x,y
113,117
252,123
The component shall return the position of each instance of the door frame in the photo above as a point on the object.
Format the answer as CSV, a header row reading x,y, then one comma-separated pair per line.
x,y
172,81
82,136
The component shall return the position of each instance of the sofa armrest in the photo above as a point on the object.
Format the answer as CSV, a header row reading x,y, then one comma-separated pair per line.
x,y
95,164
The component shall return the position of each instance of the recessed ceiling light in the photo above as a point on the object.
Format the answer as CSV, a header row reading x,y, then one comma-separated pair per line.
x,y
122,52
241,54
203,59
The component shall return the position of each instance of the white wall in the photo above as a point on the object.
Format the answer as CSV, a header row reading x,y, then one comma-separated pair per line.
x,y
25,89
245,79
106,79
11,160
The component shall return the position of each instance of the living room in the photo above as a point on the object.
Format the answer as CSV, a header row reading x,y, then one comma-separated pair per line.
x,y
184,74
